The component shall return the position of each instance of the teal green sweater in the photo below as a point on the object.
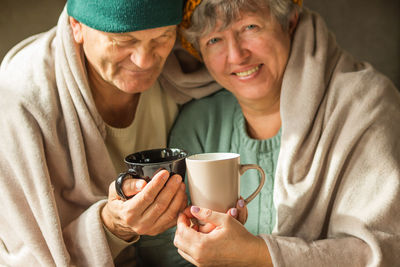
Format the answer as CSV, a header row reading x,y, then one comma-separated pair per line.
x,y
216,124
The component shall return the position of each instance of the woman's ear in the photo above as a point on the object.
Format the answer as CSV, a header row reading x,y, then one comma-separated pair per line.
x,y
76,30
293,22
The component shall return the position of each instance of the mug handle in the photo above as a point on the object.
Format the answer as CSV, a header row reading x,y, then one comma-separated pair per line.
x,y
242,169
120,180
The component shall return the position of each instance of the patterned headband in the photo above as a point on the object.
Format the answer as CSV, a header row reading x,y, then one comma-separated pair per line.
x,y
190,6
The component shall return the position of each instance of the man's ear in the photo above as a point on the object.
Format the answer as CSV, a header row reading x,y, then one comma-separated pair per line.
x,y
293,22
76,30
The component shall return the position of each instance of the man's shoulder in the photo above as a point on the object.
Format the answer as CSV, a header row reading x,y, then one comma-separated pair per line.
x,y
28,70
32,54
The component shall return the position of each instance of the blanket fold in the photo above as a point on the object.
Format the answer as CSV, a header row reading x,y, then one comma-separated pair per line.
x,y
338,175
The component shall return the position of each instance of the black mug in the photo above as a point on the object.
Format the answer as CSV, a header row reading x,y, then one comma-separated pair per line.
x,y
145,164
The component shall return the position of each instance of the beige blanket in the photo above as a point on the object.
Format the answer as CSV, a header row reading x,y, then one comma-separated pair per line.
x,y
54,166
337,188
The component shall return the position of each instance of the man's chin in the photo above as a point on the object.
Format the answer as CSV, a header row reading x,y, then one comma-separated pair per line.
x,y
132,86
137,86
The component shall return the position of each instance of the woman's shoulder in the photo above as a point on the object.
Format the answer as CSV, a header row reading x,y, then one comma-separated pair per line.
x,y
206,112
202,122
220,102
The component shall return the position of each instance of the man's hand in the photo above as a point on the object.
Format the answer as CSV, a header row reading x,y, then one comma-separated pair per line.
x,y
153,209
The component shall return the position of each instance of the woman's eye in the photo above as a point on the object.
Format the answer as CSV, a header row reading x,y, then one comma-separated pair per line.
x,y
251,27
212,41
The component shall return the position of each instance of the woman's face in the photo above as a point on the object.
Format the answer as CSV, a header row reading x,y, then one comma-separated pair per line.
x,y
249,57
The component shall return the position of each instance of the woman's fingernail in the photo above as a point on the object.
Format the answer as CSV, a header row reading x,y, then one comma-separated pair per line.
x,y
241,203
194,209
234,212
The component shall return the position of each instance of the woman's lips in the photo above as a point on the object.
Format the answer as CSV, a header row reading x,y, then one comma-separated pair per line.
x,y
245,74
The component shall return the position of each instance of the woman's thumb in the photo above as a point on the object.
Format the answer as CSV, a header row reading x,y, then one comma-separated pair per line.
x,y
207,216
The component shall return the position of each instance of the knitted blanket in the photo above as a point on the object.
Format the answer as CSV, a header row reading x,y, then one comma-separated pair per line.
x,y
337,184
54,165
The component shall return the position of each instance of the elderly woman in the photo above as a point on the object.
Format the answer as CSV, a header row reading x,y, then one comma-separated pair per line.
x,y
322,125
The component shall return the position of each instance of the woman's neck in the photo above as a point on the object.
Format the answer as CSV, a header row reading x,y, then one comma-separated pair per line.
x,y
263,119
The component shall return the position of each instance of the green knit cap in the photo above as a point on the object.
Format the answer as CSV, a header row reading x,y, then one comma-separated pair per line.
x,y
126,15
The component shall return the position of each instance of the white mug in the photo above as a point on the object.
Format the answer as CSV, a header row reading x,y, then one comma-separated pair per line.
x,y
214,180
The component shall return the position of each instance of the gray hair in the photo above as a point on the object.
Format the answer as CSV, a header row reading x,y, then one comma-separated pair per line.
x,y
206,14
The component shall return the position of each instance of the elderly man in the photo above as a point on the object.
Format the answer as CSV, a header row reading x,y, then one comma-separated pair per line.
x,y
75,101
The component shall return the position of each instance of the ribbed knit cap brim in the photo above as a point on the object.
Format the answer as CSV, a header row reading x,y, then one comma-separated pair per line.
x,y
126,15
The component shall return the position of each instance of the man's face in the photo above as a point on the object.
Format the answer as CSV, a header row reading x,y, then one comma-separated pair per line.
x,y
129,61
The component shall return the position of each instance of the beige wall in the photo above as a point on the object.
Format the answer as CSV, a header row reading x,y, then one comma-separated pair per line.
x,y
22,18
369,29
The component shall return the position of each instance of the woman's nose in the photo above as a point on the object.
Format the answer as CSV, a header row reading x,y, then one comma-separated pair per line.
x,y
237,52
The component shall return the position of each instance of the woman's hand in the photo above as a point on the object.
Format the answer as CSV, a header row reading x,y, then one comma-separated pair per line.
x,y
153,209
239,213
224,245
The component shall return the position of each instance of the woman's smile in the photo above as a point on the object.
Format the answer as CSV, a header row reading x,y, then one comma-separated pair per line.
x,y
248,73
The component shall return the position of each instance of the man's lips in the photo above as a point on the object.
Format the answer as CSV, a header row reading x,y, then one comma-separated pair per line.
x,y
140,71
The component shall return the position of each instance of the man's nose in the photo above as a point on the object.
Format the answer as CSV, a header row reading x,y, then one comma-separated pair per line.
x,y
144,57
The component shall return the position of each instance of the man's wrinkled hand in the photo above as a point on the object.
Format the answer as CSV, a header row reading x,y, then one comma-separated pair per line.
x,y
153,209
